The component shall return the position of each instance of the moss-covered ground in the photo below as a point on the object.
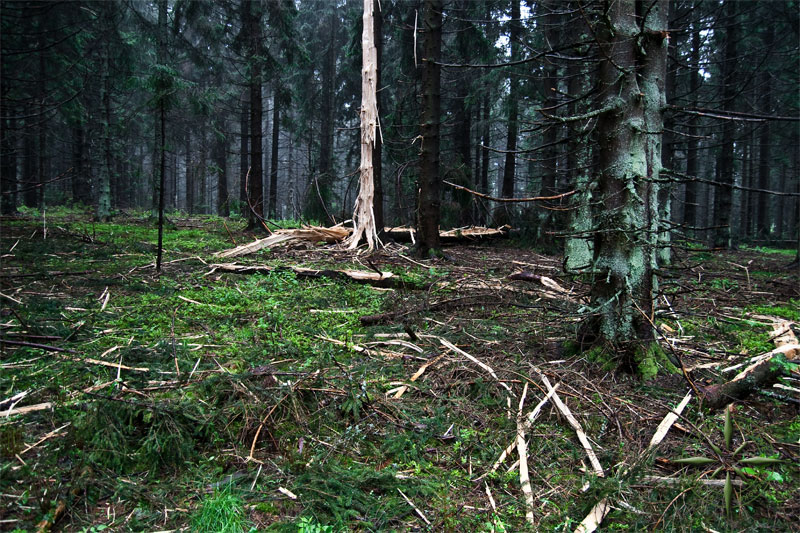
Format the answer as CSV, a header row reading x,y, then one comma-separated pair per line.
x,y
206,401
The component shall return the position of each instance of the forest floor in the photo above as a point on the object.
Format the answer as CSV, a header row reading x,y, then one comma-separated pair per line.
x,y
209,401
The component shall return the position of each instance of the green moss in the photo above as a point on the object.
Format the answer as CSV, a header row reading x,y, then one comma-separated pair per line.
x,y
650,358
791,311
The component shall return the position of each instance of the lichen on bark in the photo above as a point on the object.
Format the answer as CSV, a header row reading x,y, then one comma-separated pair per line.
x,y
624,266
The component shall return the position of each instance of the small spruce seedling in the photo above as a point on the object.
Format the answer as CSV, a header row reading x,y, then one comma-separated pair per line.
x,y
729,461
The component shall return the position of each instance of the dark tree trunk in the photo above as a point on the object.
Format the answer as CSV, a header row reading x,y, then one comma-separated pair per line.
x,y
723,204
8,144
189,174
509,169
244,160
255,196
273,160
221,164
429,203
320,192
764,156
629,160
30,175
692,143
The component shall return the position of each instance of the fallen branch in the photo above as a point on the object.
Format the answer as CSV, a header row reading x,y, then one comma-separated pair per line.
x,y
595,517
510,200
522,449
598,469
762,372
529,420
416,376
382,279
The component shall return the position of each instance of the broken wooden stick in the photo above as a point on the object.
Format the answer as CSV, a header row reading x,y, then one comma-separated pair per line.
x,y
595,517
416,376
522,449
377,279
596,466
529,420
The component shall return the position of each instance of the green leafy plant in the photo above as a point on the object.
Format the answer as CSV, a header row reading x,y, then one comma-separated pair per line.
x,y
731,462
310,525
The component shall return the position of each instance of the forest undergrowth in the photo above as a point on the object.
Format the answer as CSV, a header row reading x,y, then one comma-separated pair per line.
x,y
207,401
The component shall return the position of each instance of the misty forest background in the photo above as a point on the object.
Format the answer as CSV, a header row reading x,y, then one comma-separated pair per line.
x,y
272,90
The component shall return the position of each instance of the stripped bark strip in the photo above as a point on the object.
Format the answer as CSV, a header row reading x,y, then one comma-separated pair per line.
x,y
532,416
666,424
598,469
595,517
522,449
602,508
487,368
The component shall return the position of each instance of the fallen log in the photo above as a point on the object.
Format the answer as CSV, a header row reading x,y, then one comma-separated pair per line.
x,y
763,371
285,236
377,279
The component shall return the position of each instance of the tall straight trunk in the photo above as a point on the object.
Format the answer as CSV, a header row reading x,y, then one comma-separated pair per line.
x,y
189,174
578,247
692,143
255,196
273,160
30,175
666,150
509,169
723,236
103,186
8,168
629,159
781,207
463,117
551,153
42,127
429,203
486,140
748,214
764,161
8,144
363,214
162,126
221,164
320,192
244,159
377,150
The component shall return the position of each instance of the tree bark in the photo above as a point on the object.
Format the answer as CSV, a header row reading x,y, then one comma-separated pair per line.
x,y
255,188
244,150
429,203
377,150
723,196
509,169
321,190
221,163
692,144
273,160
629,159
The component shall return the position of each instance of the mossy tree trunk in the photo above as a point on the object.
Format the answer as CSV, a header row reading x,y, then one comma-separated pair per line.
x,y
632,86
